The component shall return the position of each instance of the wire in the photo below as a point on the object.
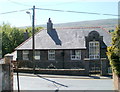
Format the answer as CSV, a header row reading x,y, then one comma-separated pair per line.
x,y
76,12
59,11
42,5
18,3
57,4
14,11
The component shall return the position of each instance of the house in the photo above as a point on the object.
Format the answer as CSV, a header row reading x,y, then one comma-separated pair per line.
x,y
65,48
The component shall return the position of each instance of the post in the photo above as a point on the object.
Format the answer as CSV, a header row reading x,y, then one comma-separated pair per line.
x,y
33,40
7,76
18,78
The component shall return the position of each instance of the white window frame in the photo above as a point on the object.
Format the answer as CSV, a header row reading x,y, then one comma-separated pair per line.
x,y
51,54
76,55
37,55
25,55
94,50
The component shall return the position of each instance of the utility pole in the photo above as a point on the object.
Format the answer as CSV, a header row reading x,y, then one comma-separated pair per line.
x,y
18,77
33,38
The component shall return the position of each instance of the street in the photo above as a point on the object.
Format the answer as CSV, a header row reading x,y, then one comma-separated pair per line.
x,y
38,82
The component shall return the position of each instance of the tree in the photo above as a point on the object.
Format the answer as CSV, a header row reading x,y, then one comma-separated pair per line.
x,y
6,29
113,52
12,37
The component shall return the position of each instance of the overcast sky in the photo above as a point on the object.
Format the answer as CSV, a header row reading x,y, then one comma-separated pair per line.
x,y
19,18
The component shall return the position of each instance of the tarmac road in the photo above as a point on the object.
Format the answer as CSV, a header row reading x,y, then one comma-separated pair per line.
x,y
55,83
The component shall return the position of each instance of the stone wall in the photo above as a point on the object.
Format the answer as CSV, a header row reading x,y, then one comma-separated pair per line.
x,y
62,60
54,71
0,77
116,80
6,75
102,63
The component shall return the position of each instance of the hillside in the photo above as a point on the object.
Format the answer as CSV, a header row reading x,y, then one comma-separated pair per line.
x,y
105,23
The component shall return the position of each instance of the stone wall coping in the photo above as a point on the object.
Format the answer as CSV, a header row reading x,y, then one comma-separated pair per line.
x,y
53,69
88,59
2,61
8,55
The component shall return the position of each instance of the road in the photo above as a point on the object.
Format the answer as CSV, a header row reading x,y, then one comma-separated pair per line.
x,y
39,82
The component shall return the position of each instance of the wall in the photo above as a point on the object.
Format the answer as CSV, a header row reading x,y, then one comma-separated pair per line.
x,y
116,80
6,75
102,64
0,77
62,60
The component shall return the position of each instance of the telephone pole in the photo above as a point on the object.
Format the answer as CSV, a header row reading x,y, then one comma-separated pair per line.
x,y
33,38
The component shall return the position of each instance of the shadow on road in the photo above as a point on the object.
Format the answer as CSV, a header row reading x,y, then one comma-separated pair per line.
x,y
100,77
52,81
95,77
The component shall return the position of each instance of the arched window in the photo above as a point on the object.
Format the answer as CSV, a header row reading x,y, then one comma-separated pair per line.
x,y
94,50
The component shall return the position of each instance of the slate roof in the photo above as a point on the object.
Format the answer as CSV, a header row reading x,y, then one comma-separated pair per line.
x,y
64,38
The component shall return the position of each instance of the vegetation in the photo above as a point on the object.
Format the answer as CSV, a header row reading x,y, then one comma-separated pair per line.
x,y
114,51
12,37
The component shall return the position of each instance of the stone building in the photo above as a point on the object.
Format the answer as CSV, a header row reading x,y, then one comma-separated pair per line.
x,y
65,48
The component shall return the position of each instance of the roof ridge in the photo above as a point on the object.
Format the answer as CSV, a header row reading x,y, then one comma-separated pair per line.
x,y
78,27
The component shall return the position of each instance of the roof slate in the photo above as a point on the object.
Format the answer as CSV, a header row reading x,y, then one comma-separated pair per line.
x,y
70,38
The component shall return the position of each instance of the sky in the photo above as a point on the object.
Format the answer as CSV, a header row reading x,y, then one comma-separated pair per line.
x,y
21,18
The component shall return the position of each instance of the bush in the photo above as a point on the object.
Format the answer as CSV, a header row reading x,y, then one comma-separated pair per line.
x,y
113,52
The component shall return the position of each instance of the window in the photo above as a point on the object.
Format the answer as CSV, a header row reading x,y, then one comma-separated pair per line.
x,y
37,55
51,55
94,50
75,54
25,55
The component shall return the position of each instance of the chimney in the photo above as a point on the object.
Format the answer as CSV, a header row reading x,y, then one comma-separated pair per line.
x,y
26,35
49,25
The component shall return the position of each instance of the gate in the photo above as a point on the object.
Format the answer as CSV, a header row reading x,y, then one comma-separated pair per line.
x,y
95,67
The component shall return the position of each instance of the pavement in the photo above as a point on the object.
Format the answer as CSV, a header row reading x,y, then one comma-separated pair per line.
x,y
65,76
